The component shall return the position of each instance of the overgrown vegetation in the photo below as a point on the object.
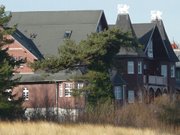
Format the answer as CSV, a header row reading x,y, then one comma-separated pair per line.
x,y
46,128
8,110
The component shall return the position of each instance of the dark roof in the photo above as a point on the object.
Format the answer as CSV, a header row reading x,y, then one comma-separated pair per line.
x,y
27,43
143,32
48,77
123,22
46,28
172,56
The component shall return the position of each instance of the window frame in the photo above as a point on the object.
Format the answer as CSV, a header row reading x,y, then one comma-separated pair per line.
x,y
80,85
68,90
150,49
67,34
61,94
172,70
130,67
139,67
118,92
163,69
25,94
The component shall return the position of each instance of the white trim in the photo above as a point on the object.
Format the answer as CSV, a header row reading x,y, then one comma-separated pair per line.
x,y
26,73
61,90
68,90
10,49
150,39
25,94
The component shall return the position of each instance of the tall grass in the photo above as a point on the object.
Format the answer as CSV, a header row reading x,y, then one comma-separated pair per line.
x,y
45,128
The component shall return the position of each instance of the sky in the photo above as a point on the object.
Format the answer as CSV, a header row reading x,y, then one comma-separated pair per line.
x,y
139,10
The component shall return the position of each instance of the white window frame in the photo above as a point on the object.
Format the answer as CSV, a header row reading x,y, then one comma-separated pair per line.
x,y
68,89
80,85
131,96
172,71
61,90
118,92
25,94
130,67
139,67
164,70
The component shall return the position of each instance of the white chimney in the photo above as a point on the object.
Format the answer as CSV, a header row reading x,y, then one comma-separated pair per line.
x,y
123,9
156,15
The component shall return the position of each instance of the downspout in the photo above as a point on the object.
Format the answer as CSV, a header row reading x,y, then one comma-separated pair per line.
x,y
56,97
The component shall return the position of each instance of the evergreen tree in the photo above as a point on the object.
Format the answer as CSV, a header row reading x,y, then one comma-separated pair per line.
x,y
9,109
96,53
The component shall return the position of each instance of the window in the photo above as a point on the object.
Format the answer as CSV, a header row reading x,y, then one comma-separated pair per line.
x,y
99,28
118,92
130,96
80,85
150,49
139,67
130,67
67,34
172,71
25,94
177,74
60,90
164,70
68,89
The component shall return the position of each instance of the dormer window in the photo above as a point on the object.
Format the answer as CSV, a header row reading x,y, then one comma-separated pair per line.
x,y
67,34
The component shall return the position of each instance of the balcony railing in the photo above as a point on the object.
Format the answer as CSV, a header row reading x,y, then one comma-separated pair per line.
x,y
155,80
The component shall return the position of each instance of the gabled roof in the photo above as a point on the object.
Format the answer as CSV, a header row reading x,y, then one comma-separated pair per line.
x,y
46,28
171,54
143,32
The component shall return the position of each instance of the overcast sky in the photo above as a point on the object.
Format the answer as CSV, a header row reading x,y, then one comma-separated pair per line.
x,y
139,10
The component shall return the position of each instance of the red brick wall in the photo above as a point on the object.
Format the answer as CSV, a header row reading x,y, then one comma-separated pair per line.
x,y
44,95
17,50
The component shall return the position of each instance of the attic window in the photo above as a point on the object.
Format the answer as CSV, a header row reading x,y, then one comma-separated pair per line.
x,y
67,33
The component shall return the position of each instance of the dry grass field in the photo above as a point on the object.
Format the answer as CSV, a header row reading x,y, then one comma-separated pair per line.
x,y
47,128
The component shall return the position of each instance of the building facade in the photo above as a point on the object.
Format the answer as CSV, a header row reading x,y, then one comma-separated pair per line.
x,y
149,73
137,75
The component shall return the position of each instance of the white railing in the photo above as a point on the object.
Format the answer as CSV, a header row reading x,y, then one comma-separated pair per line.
x,y
155,80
